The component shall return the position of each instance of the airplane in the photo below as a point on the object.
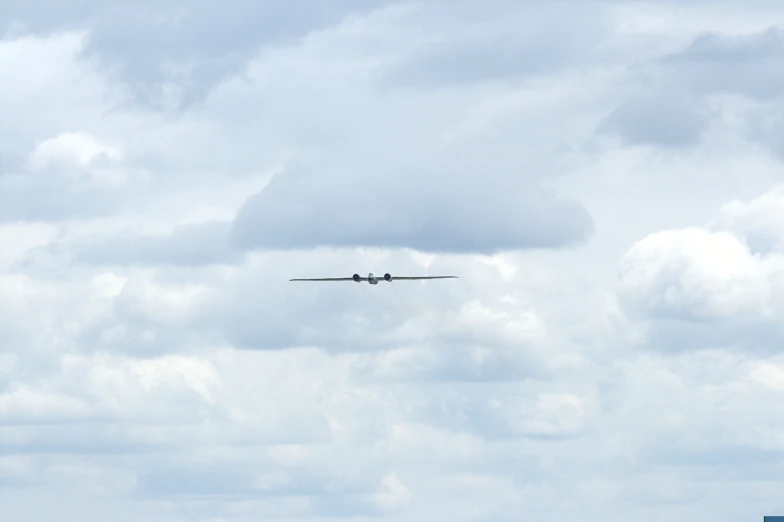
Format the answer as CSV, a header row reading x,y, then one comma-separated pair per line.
x,y
373,280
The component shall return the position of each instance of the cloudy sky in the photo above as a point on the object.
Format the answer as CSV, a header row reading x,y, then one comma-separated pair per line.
x,y
606,178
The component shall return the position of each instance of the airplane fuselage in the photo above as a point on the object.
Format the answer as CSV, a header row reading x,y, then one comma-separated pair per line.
x,y
372,278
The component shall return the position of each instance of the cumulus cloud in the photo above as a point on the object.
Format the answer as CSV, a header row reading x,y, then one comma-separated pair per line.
x,y
758,222
715,285
698,274
156,360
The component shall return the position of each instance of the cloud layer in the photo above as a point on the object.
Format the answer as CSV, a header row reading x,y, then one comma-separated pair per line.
x,y
608,188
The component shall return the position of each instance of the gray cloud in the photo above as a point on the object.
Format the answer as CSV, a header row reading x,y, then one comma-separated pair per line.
x,y
430,212
103,440
766,125
165,49
749,64
677,334
720,463
662,119
187,245
669,104
506,41
429,209
172,483
32,197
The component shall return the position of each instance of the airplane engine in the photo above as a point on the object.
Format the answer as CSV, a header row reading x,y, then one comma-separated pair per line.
x,y
387,277
356,278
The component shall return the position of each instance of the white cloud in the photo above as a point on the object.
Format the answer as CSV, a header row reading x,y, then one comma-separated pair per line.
x,y
71,148
719,285
771,375
393,494
612,348
22,404
694,273
759,222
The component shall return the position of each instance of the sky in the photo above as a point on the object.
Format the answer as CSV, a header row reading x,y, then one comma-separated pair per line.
x,y
606,178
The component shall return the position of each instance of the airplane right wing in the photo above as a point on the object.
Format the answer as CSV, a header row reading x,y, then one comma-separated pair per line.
x,y
405,278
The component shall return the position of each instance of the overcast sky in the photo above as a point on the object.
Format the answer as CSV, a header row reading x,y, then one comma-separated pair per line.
x,y
606,178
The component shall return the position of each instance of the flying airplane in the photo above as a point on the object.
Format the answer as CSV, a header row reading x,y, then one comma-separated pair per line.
x,y
373,280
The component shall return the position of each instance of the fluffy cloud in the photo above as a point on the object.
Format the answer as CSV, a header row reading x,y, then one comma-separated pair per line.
x,y
698,274
713,286
731,270
611,348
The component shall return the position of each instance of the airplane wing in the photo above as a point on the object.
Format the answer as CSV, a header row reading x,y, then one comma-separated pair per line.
x,y
331,279
395,278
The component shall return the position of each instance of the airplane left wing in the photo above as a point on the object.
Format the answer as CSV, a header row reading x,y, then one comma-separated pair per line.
x,y
330,279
